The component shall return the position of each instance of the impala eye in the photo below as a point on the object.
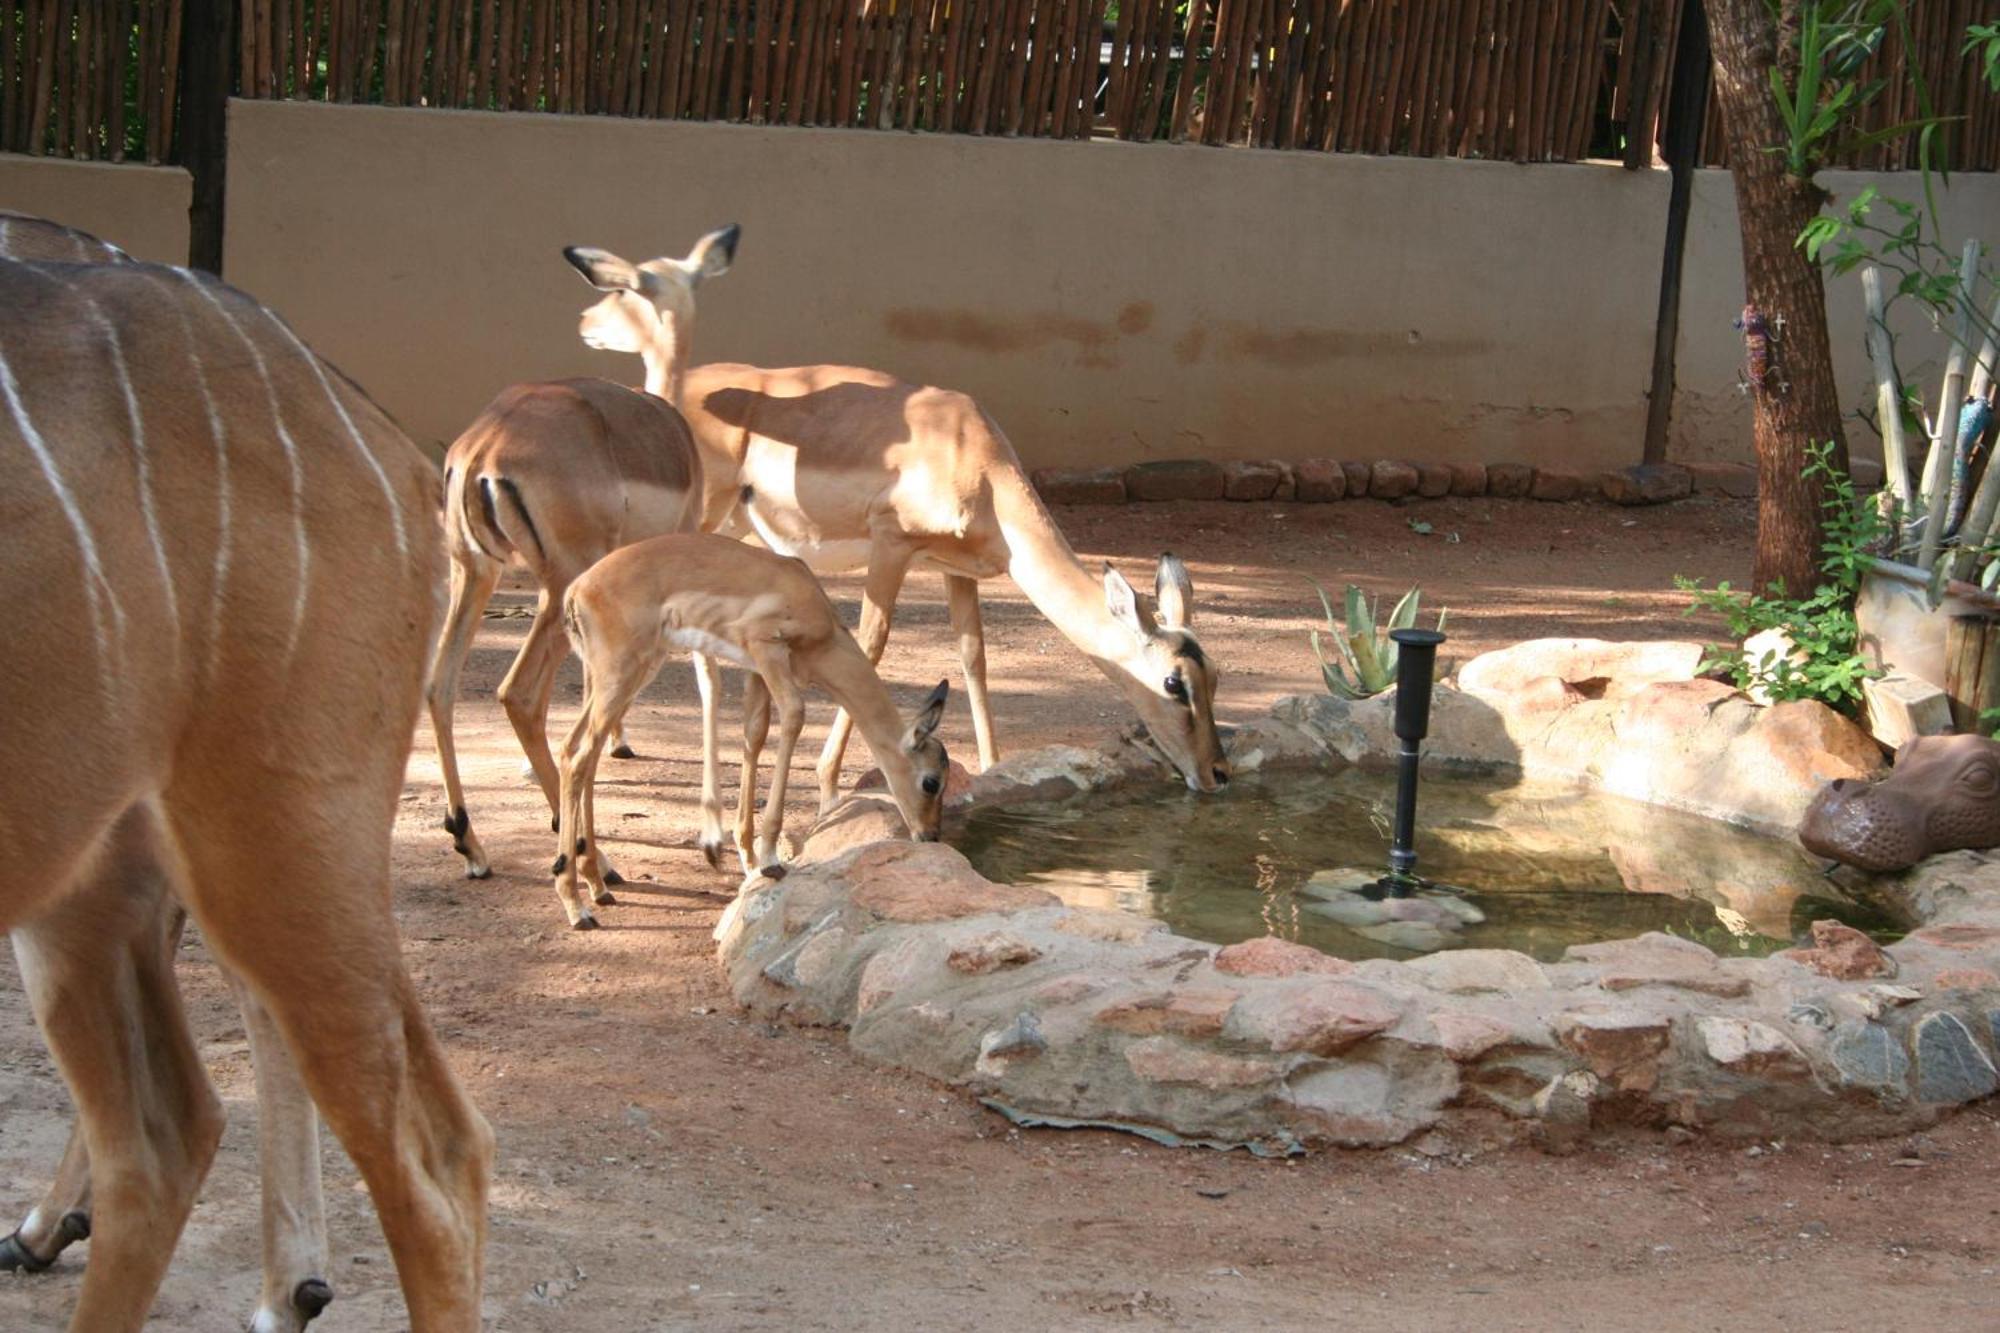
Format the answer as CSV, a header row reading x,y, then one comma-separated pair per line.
x,y
932,785
1176,688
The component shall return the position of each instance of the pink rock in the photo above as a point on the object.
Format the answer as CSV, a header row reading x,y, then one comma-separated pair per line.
x,y
1319,479
1555,484
1094,923
1668,711
1598,667
1464,1036
1166,1060
1390,480
1323,1018
1509,481
1433,480
1176,479
1962,937
1192,1012
1253,479
1738,480
1680,973
991,952
1965,978
1810,744
1844,953
1357,475
1468,479
1622,1049
1269,956
928,881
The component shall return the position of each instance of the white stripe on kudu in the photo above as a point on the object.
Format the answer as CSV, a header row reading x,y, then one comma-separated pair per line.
x,y
354,435
142,464
95,585
223,517
291,456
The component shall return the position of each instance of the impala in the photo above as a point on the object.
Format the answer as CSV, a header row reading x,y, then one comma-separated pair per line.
x,y
759,611
203,711
849,468
554,476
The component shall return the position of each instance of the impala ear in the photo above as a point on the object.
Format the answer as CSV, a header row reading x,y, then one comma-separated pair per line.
x,y
1173,592
713,254
927,718
1123,603
602,269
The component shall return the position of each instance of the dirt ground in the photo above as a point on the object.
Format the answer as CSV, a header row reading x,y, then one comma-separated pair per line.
x,y
666,1162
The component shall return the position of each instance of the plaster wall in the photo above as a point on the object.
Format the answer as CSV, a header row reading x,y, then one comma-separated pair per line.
x,y
139,208
1711,415
1106,302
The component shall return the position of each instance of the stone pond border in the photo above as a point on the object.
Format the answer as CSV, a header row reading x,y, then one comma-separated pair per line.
x,y
1072,1016
1315,480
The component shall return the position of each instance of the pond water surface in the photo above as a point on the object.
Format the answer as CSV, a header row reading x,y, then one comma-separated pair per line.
x,y
1531,866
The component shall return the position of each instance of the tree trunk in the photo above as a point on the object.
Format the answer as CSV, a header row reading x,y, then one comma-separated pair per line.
x,y
1788,363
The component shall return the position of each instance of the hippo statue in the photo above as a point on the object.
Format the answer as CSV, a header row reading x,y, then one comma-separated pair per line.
x,y
1943,794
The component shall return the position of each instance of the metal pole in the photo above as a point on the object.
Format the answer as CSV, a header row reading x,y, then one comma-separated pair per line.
x,y
1416,659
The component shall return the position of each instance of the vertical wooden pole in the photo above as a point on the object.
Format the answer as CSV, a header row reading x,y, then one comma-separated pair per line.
x,y
208,59
1687,105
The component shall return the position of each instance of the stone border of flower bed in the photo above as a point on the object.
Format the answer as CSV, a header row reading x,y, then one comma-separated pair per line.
x,y
1064,1015
1315,480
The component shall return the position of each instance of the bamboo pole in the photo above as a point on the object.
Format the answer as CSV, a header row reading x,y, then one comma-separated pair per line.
x,y
1944,431
1888,397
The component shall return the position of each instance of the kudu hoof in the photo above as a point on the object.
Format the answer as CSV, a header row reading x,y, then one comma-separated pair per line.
x,y
16,1257
310,1297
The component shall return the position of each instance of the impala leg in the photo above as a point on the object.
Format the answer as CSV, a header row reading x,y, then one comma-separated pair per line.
x,y
886,568
294,1217
472,582
324,960
774,664
60,1219
708,681
608,692
530,681
756,729
102,988
592,863
962,594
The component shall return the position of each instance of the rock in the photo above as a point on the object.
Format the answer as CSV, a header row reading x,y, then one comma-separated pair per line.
x,y
1901,708
1020,1039
1622,1048
1110,927
1191,1012
1466,1036
1433,480
1320,1016
1773,771
1554,484
1599,667
1357,475
1472,971
1165,1060
1651,945
822,958
1749,1047
1468,479
893,970
1667,713
1319,479
1390,480
1965,978
1269,956
1565,1100
1080,486
991,952
1959,936
1253,479
1682,973
1950,1066
1509,481
1176,479
1647,484
1361,1103
1737,480
928,881
1845,954
1867,1055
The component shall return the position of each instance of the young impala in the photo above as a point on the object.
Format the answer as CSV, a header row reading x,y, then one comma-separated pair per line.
x,y
554,476
853,468
762,612
201,709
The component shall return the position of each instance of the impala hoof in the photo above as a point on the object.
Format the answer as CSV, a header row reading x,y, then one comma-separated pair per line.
x,y
478,872
584,922
623,752
711,852
603,898
310,1297
14,1256
776,870
613,878
75,1226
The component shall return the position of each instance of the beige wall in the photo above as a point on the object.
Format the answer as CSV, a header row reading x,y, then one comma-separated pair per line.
x,y
143,209
1107,302
1711,416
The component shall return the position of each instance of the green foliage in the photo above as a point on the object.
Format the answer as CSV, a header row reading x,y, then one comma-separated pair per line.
x,y
1827,665
1366,660
1836,38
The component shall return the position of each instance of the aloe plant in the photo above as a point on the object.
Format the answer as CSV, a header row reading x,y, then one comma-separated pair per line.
x,y
1366,663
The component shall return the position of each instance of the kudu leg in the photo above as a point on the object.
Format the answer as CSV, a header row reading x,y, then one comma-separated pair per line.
x,y
321,953
962,595
878,607
472,586
293,1213
100,979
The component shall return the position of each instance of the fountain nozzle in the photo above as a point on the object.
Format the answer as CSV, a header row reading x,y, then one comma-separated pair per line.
x,y
1416,660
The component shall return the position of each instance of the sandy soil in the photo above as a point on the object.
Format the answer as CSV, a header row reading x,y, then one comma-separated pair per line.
x,y
666,1162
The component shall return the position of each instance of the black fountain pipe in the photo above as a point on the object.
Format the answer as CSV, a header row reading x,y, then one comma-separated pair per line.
x,y
1416,659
